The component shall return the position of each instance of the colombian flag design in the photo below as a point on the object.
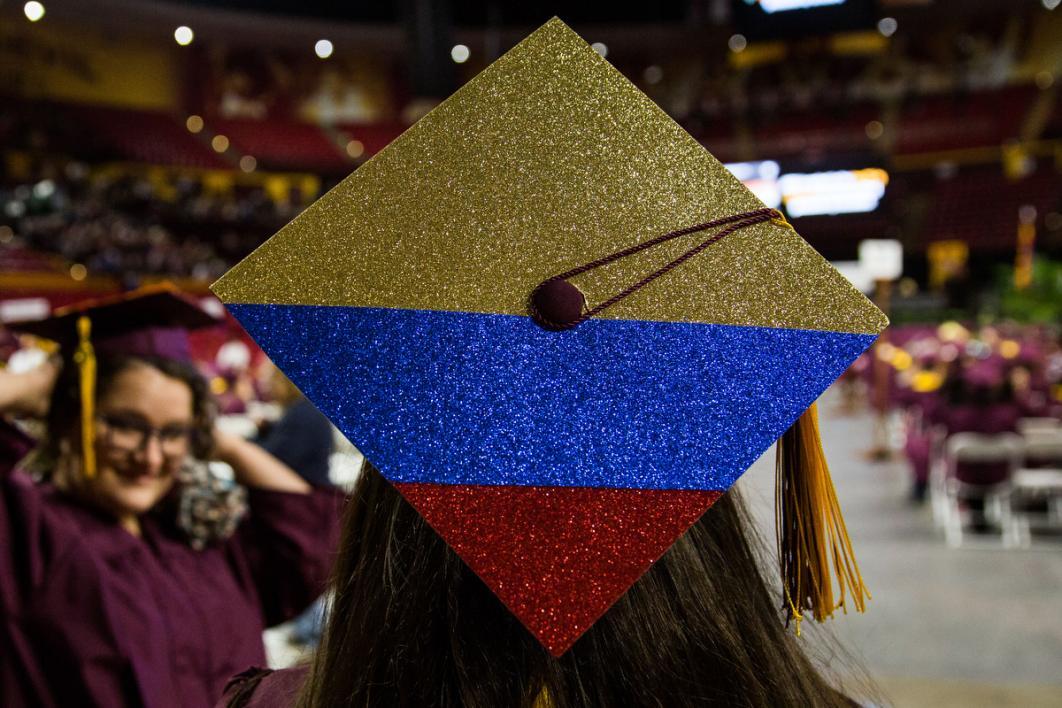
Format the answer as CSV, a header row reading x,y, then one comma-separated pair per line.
x,y
558,465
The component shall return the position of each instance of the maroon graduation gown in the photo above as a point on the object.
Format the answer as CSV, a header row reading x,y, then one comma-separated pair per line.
x,y
93,616
262,688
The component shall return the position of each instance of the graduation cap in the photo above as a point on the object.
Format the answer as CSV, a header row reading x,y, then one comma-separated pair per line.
x,y
152,321
562,330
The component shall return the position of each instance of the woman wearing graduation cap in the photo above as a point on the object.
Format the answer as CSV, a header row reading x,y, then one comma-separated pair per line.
x,y
560,330
119,587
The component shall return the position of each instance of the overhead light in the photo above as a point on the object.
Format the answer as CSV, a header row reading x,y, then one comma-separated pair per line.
x,y
600,48
44,189
220,143
355,149
460,53
773,6
323,48
836,192
194,124
887,26
184,35
1051,4
737,43
248,163
34,10
653,74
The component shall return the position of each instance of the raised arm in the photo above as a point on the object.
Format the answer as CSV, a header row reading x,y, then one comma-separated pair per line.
x,y
288,539
256,468
27,394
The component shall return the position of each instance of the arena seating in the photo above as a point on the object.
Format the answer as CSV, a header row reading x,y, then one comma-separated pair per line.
x,y
283,145
147,136
373,138
979,119
817,132
26,260
981,206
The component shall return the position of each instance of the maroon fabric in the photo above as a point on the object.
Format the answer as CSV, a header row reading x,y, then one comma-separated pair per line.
x,y
987,420
262,688
917,448
151,321
165,342
982,474
93,616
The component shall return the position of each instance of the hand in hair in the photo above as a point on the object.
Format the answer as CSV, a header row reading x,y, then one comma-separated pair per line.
x,y
28,393
254,467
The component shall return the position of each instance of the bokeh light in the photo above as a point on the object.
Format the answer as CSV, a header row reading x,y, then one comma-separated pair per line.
x,y
33,10
183,35
460,53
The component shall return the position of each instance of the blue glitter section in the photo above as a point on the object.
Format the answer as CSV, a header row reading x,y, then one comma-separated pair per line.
x,y
466,398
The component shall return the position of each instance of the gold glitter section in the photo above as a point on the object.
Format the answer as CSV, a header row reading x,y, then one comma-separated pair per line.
x,y
546,160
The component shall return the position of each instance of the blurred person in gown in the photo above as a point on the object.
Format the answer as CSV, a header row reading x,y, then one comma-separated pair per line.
x,y
302,439
123,583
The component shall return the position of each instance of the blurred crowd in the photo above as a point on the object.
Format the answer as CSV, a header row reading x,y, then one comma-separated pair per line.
x,y
947,379
127,225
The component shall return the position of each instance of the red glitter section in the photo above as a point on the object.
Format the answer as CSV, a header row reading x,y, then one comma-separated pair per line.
x,y
558,557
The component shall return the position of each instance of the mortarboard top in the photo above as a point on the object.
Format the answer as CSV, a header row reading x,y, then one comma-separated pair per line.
x,y
558,464
150,321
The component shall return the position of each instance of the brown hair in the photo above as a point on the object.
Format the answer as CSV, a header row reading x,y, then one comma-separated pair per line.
x,y
64,409
412,626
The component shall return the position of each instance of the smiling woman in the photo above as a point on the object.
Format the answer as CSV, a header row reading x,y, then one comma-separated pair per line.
x,y
108,596
148,413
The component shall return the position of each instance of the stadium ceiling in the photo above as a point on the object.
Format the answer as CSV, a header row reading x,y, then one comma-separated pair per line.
x,y
477,13
480,13
380,27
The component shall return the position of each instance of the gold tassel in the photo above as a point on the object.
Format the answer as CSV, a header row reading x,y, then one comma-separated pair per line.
x,y
810,528
85,358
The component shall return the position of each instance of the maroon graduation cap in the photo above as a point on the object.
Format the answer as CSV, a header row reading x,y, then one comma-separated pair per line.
x,y
152,321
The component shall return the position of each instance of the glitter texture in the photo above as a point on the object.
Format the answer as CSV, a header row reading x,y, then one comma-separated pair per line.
x,y
546,160
559,465
463,398
557,557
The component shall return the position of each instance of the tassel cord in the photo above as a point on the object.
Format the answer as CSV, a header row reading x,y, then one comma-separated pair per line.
x,y
813,541
85,358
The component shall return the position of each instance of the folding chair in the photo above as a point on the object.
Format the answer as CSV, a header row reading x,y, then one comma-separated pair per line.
x,y
979,471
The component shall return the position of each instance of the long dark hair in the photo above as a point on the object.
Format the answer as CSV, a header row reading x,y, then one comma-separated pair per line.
x,y
411,625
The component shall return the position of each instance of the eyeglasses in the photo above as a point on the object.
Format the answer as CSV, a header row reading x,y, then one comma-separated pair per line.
x,y
130,434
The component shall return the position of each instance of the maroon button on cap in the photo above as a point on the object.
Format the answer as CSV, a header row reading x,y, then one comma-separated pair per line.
x,y
557,304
